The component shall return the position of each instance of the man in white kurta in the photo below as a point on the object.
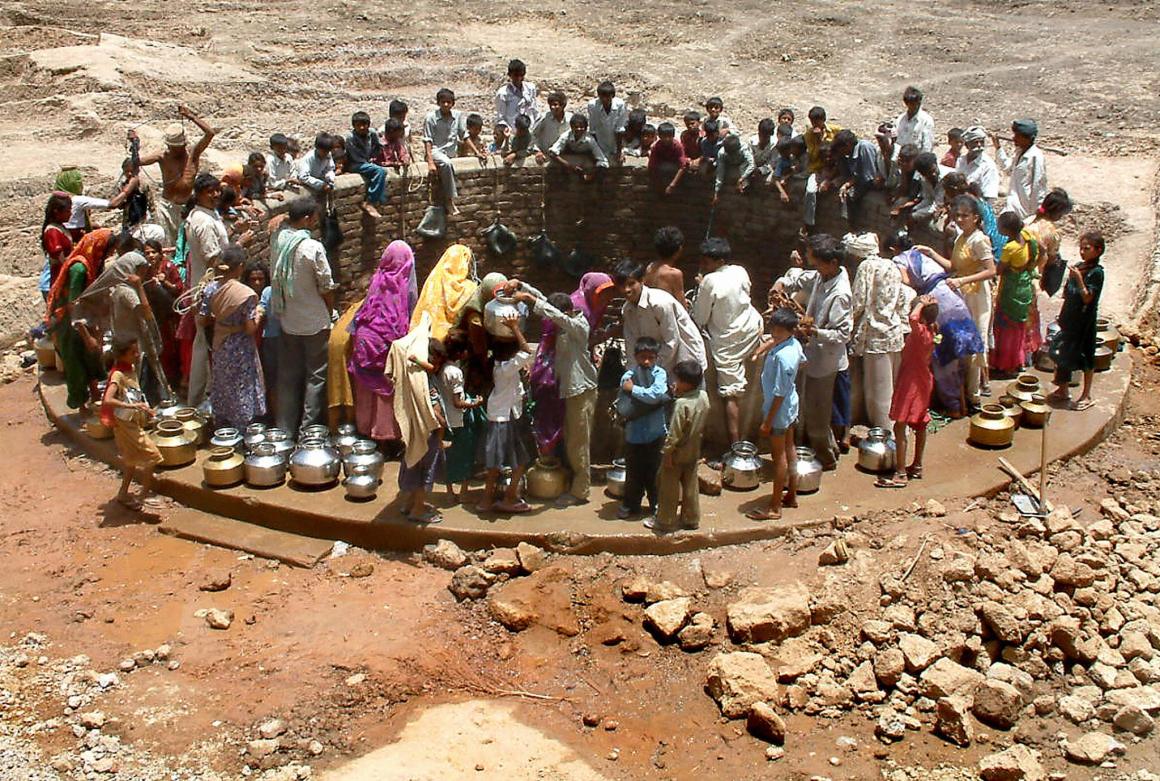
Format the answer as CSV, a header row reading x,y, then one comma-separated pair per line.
x,y
1026,170
724,312
649,311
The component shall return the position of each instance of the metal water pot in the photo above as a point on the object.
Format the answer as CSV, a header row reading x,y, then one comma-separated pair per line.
x,y
314,463
265,466
547,478
283,444
177,444
876,451
224,467
808,470
194,423
255,433
345,439
227,437
314,431
742,470
615,478
364,454
361,483
991,427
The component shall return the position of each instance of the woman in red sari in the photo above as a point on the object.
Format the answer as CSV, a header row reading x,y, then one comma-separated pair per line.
x,y
54,238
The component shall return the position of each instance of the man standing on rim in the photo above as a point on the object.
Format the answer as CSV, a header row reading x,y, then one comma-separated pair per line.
x,y
179,167
516,97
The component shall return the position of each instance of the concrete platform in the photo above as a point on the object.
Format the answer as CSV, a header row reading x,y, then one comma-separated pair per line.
x,y
954,469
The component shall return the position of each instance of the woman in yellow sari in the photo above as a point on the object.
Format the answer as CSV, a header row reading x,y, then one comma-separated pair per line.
x,y
449,287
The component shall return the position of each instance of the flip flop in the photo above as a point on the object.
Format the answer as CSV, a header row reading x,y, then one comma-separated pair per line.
x,y
517,507
1080,406
153,503
889,482
763,515
429,517
914,473
131,503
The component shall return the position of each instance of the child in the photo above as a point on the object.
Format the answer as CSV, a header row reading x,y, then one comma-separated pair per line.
x,y
364,156
888,152
397,110
923,212
691,138
910,406
125,410
507,435
681,452
395,152
442,131
316,171
791,161
500,142
254,175
1017,263
763,148
279,163
607,116
780,406
473,144
644,392
909,191
648,137
710,145
520,143
735,159
666,159
1074,348
637,118
785,119
548,128
465,419
713,107
418,480
955,147
915,126
338,154
578,142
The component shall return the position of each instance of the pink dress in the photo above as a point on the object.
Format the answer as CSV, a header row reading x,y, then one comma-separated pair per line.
x,y
912,389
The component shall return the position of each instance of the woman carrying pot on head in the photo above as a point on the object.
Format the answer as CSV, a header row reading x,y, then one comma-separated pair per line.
x,y
237,390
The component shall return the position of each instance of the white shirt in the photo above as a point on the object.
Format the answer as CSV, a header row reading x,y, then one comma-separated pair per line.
x,y
605,125
659,315
80,205
981,170
1027,184
444,133
918,131
451,389
315,173
278,170
829,306
547,130
723,309
511,102
506,401
587,144
206,237
306,313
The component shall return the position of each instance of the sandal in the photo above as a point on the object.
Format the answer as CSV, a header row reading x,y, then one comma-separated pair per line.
x,y
891,482
130,503
516,507
763,515
1080,406
914,473
428,517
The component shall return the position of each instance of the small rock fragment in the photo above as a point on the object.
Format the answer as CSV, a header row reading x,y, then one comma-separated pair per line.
x,y
765,723
219,619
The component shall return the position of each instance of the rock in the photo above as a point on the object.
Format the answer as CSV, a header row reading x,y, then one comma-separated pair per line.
x,y
511,611
1061,520
918,652
531,558
635,589
665,618
889,665
959,569
162,652
1001,622
92,719
219,619
262,748
1146,698
1133,719
444,554
934,509
862,680
469,582
900,617
1135,645
315,748
835,553
715,576
953,722
698,633
1076,709
764,722
709,480
764,614
217,582
774,753
946,678
877,632
659,592
794,658
1068,572
1017,763
272,729
738,679
825,608
997,703
1113,511
503,561
127,665
362,569
890,727
1092,748
1013,675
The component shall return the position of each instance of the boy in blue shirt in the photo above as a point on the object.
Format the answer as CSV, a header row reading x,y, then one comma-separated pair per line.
x,y
779,390
644,391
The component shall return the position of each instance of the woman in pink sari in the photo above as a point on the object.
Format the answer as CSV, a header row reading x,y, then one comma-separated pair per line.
x,y
591,298
384,317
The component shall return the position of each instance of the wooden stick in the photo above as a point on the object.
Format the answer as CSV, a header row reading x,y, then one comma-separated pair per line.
x,y
914,562
1025,483
1043,462
1053,149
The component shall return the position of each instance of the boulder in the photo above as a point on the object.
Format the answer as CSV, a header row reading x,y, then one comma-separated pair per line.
x,y
890,727
953,721
698,633
997,703
531,558
794,658
877,632
764,614
665,618
946,678
1092,748
1076,709
513,612
738,679
659,592
1017,763
765,723
889,665
1020,679
918,652
502,561
469,582
1003,625
1134,719
1146,698
1066,571
862,680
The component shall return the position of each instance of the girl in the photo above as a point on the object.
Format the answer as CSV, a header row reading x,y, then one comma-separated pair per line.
x,y
1056,205
1017,272
910,406
125,410
506,442
465,419
237,392
163,286
55,239
258,278
419,479
1075,346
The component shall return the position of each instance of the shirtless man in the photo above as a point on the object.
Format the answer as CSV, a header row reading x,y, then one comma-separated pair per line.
x,y
663,273
179,167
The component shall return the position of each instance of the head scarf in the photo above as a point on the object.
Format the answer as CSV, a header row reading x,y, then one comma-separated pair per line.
x,y
486,290
115,273
384,316
90,251
448,289
861,245
1026,127
70,181
584,299
975,133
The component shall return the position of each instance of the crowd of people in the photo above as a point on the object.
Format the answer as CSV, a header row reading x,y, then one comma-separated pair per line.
x,y
443,369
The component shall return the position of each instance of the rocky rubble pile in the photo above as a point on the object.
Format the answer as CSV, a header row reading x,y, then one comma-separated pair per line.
x,y
474,573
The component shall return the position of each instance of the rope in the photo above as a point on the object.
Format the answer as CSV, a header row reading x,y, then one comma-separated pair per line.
x,y
192,299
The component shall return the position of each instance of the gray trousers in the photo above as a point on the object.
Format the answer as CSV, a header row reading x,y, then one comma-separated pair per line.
x,y
816,412
301,380
199,369
446,172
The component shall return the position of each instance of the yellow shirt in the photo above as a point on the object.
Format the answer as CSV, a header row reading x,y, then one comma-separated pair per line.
x,y
969,256
814,145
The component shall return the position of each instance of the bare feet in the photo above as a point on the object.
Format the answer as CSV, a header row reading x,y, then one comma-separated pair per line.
x,y
768,514
371,211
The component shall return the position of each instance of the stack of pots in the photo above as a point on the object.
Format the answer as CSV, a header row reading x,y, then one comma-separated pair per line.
x,y
363,467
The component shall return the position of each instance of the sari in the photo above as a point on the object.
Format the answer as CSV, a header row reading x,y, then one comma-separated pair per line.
x,y
237,389
548,424
448,289
1014,299
384,316
1046,235
81,367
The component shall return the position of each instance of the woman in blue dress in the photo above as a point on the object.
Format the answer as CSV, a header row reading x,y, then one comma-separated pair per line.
x,y
237,390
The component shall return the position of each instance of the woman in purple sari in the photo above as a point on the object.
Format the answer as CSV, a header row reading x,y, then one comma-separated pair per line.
x,y
959,336
384,317
591,298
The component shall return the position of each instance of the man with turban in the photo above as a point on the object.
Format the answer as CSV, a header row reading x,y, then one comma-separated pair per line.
x,y
1027,169
977,165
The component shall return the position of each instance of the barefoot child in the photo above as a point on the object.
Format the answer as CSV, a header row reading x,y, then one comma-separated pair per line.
x,y
910,406
1074,348
507,436
465,419
780,405
680,453
125,410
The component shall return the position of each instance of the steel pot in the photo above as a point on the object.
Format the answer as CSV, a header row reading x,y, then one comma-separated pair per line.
x,y
227,437
1012,409
1107,334
1035,412
265,466
742,467
167,410
193,422
615,478
177,444
364,454
314,464
255,433
547,478
361,483
224,467
1104,357
345,439
808,470
283,444
315,431
1024,387
876,451
991,427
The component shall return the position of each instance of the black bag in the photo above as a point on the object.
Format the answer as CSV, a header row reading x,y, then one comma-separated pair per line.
x,y
578,263
434,223
499,239
330,231
1053,275
611,368
545,253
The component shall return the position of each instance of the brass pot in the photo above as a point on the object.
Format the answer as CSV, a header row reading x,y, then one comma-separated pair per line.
x,y
991,427
95,428
193,422
224,467
1012,409
45,354
176,443
1035,412
1108,334
547,478
1024,387
1104,356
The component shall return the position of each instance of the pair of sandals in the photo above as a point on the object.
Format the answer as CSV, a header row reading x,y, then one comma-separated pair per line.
x,y
1074,406
767,514
430,515
139,505
508,508
900,479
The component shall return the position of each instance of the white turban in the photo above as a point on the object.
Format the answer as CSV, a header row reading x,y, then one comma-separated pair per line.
x,y
860,245
975,133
